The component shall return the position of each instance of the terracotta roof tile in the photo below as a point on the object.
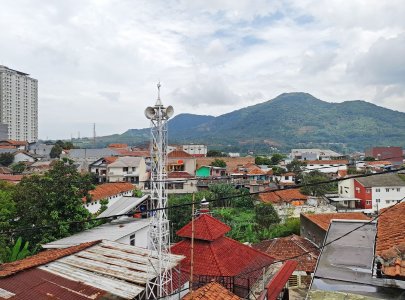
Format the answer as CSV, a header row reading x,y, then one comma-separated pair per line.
x,y
178,154
280,196
393,262
390,228
110,189
378,162
211,291
327,162
289,247
11,177
41,258
205,228
323,220
179,174
118,146
14,143
256,171
110,159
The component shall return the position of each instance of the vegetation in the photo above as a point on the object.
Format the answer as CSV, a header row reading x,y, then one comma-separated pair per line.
x,y
18,168
262,160
266,215
6,159
17,252
369,158
318,189
59,146
296,166
216,153
218,163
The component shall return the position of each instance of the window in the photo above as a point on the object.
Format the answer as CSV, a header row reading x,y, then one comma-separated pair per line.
x,y
286,177
387,190
368,202
125,169
378,200
368,190
398,189
377,190
387,201
132,239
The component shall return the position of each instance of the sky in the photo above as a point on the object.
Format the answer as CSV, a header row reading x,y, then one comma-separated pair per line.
x,y
98,61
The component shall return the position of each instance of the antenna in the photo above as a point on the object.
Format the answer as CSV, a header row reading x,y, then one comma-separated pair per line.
x,y
94,133
159,284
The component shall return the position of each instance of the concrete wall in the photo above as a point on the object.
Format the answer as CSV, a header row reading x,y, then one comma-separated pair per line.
x,y
311,231
140,238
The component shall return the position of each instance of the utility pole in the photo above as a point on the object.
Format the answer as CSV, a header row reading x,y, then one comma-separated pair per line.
x,y
159,284
192,245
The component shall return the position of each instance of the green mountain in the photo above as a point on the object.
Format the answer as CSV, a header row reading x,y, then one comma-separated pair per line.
x,y
288,121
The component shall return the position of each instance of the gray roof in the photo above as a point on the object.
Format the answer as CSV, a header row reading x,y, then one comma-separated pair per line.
x,y
111,231
381,180
5,150
346,264
126,161
123,206
91,153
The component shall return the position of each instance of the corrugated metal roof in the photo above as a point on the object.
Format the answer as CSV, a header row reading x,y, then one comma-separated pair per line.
x,y
123,206
120,269
381,180
110,231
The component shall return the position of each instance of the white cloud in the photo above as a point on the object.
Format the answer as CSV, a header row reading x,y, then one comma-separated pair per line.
x,y
100,60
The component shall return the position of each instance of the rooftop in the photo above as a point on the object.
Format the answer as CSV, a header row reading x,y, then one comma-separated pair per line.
x,y
323,220
126,161
327,162
178,154
112,231
123,206
206,228
211,291
381,180
280,196
106,190
232,163
290,247
179,174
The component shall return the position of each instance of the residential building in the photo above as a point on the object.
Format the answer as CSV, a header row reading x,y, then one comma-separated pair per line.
x,y
212,290
216,257
233,164
179,160
210,172
180,182
392,154
314,154
371,193
128,231
326,166
85,157
40,149
195,150
295,248
112,192
286,197
19,104
345,268
95,270
13,144
22,156
315,226
3,131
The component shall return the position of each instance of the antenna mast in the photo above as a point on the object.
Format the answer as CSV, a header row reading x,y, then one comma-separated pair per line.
x,y
94,133
159,284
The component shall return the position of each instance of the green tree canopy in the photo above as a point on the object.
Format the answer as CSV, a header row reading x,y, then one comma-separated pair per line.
x,y
6,159
219,163
56,151
296,166
317,190
262,160
18,167
369,158
216,153
266,215
276,158
51,200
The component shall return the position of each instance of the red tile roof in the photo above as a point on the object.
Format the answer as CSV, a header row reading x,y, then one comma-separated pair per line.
x,y
211,291
179,174
281,196
178,154
117,146
11,178
323,220
110,159
137,153
279,280
393,262
14,143
41,258
256,171
390,228
215,254
205,228
290,247
327,162
106,190
378,162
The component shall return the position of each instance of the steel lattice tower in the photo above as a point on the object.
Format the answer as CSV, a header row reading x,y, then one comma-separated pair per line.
x,y
159,232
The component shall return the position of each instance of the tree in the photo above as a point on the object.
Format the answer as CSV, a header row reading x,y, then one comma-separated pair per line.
x,y
266,215
6,159
261,160
17,252
216,153
276,158
7,215
18,167
369,158
56,151
310,180
51,200
219,163
296,166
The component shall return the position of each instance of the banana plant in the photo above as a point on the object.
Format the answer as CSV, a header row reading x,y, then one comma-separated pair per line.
x,y
18,251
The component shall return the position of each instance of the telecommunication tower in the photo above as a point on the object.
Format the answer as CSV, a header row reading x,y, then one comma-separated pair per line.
x,y
159,231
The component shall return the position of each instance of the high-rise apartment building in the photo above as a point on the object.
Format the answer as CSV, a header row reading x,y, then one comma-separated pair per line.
x,y
19,104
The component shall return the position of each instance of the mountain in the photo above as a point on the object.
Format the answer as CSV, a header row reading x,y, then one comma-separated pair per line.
x,y
287,121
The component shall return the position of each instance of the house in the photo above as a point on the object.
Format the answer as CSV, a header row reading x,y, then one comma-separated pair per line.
x,y
85,157
345,268
128,231
285,178
11,178
22,156
315,226
295,248
286,197
210,171
211,291
179,160
216,257
372,193
40,167
390,242
232,163
326,166
40,149
94,270
11,144
392,154
112,192
120,169
314,154
180,182
195,150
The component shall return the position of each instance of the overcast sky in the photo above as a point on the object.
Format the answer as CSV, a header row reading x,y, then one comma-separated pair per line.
x,y
99,61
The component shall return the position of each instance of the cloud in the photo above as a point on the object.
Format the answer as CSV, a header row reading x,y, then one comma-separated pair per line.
x,y
111,96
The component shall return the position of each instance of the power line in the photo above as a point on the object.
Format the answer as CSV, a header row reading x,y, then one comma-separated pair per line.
x,y
197,202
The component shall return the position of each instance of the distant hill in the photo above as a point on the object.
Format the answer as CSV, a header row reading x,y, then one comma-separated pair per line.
x,y
287,121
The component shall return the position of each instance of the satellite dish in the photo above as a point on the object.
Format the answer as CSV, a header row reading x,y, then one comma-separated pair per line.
x,y
169,111
150,112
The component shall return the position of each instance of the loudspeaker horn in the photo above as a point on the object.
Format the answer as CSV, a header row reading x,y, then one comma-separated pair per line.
x,y
169,111
150,112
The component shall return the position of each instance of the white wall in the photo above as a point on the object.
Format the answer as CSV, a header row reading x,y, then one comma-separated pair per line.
x,y
19,157
382,198
325,168
94,206
141,238
346,188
